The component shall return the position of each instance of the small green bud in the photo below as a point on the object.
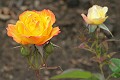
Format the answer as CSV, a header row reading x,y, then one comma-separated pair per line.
x,y
25,51
48,48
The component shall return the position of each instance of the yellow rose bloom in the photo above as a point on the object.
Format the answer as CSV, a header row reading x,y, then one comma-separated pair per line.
x,y
33,27
96,15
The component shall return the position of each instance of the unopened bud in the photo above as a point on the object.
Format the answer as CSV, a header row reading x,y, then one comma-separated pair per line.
x,y
49,48
25,50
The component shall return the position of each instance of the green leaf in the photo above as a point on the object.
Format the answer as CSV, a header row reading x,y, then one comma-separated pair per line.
x,y
97,76
93,78
115,64
92,28
116,75
74,74
115,67
102,26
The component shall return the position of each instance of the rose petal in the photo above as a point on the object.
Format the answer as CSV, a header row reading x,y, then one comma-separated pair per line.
x,y
86,19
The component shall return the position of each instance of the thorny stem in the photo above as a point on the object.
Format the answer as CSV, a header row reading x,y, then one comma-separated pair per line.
x,y
101,69
55,67
30,64
97,44
91,50
99,53
37,73
109,76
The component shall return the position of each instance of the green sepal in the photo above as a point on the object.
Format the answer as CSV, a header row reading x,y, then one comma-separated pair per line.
x,y
25,50
92,28
104,27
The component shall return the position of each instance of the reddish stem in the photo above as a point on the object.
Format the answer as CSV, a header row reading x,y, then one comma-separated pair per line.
x,y
37,73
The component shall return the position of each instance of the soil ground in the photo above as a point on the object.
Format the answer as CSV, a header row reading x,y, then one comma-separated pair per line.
x,y
14,67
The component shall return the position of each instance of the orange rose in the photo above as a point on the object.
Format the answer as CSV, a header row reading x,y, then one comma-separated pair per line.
x,y
33,27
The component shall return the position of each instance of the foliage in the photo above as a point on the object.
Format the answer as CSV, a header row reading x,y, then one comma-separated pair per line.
x,y
115,67
74,74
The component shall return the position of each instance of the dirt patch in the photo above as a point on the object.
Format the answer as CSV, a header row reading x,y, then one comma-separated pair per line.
x,y
13,66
